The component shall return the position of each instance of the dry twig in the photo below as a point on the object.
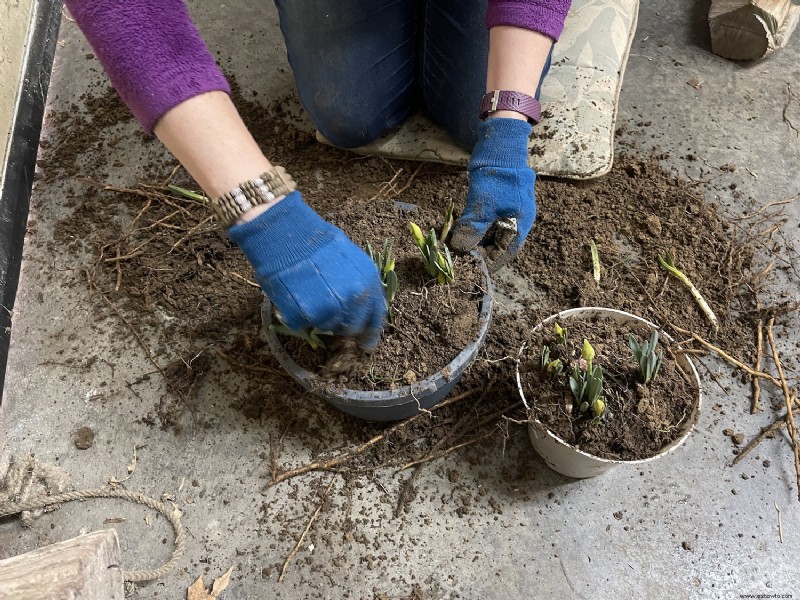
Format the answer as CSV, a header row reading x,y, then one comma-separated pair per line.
x,y
765,432
333,463
790,95
248,367
118,312
790,424
727,356
754,407
306,530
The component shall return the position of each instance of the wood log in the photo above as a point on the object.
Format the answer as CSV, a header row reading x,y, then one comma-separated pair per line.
x,y
751,29
83,568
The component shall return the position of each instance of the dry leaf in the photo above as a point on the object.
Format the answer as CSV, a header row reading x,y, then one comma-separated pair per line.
x,y
220,583
198,591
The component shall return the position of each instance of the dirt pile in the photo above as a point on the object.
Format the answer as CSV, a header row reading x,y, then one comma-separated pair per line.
x,y
156,253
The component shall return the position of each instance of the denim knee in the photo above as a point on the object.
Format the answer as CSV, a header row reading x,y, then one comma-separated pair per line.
x,y
351,127
353,62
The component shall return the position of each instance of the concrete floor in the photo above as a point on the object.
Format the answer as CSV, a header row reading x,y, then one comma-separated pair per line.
x,y
686,526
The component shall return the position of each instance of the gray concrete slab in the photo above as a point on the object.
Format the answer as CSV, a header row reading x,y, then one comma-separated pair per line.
x,y
542,535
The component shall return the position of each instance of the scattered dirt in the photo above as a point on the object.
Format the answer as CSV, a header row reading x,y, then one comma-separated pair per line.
x,y
639,420
154,253
84,438
162,273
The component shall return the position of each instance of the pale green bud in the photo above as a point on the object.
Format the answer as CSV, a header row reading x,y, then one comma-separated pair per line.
x,y
587,352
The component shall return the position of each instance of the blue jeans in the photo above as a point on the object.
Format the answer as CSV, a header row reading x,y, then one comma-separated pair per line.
x,y
362,66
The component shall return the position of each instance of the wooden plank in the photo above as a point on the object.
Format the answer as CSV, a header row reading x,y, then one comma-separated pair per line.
x,y
83,568
751,29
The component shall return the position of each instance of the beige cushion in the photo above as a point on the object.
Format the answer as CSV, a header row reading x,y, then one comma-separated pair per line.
x,y
579,98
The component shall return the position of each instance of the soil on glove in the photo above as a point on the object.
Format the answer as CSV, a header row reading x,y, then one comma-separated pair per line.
x,y
639,420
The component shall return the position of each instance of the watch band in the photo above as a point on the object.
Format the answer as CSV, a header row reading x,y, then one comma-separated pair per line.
x,y
508,100
261,190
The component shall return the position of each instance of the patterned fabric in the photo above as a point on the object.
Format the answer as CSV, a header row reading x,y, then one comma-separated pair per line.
x,y
579,98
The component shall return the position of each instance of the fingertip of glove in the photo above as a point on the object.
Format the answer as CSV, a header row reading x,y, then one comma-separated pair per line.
x,y
464,238
504,259
372,335
369,341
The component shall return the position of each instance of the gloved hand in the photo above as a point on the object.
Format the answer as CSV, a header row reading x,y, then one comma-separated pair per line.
x,y
311,271
500,188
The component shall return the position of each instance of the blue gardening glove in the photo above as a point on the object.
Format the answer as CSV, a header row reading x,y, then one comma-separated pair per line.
x,y
311,271
500,206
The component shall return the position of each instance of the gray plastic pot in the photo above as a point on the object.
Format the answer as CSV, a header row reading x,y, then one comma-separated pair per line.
x,y
388,405
570,460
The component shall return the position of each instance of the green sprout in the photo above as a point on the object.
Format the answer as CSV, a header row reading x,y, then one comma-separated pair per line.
x,y
448,223
595,261
545,357
668,265
562,333
309,335
552,368
586,383
187,193
438,262
385,263
649,362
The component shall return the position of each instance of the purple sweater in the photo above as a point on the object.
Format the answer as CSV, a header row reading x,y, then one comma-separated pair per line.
x,y
156,59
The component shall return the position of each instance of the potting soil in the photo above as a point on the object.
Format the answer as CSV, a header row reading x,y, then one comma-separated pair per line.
x,y
639,420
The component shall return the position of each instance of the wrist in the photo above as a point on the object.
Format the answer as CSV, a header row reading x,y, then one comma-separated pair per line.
x,y
257,211
509,101
506,114
262,191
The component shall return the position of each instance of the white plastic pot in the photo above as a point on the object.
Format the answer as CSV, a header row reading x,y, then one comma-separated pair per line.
x,y
571,461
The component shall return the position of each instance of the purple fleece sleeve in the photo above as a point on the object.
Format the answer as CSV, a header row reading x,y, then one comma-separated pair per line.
x,y
151,51
545,16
